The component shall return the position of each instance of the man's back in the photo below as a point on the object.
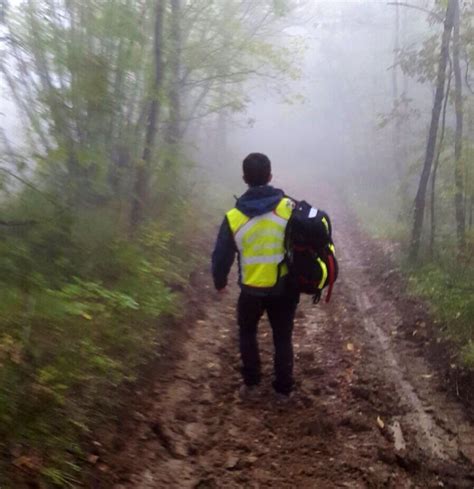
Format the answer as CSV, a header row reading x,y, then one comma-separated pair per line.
x,y
255,230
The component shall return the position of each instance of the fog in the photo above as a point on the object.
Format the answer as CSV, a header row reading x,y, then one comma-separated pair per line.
x,y
123,128
325,120
338,92
328,124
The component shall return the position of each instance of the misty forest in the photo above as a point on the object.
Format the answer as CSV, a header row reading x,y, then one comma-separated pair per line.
x,y
123,126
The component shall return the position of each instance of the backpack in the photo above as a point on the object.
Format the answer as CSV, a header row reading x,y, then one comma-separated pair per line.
x,y
310,251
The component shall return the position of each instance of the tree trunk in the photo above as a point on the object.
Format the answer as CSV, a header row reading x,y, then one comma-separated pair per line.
x,y
173,129
420,199
458,135
436,165
395,95
404,125
142,176
471,212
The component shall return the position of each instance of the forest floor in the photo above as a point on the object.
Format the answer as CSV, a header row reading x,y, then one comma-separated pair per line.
x,y
369,410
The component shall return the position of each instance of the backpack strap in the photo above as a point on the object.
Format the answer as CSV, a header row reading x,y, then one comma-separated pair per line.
x,y
331,271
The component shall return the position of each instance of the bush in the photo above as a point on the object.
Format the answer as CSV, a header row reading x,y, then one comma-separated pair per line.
x,y
81,312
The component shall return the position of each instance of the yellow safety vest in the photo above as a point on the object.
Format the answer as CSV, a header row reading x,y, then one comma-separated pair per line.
x,y
261,244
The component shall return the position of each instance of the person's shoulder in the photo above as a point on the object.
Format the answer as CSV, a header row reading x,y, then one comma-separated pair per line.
x,y
289,201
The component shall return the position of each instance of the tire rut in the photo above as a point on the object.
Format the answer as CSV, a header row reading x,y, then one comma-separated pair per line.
x,y
431,437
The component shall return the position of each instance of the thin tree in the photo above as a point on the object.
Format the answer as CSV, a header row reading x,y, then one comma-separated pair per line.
x,y
395,94
436,165
140,196
458,135
420,199
173,132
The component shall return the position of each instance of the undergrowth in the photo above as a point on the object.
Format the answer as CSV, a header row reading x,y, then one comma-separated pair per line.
x,y
448,287
83,308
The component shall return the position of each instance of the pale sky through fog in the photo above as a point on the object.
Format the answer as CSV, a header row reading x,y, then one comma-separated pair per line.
x,y
9,120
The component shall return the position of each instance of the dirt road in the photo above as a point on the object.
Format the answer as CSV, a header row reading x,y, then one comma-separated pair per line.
x,y
368,411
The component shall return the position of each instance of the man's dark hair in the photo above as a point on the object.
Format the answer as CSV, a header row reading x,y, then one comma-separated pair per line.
x,y
257,169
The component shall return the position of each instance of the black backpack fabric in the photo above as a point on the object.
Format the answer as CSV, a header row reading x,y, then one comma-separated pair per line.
x,y
308,242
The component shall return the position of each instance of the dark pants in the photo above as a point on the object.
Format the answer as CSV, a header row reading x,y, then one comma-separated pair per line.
x,y
281,313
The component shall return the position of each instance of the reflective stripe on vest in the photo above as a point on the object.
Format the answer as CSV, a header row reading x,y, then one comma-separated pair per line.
x,y
260,241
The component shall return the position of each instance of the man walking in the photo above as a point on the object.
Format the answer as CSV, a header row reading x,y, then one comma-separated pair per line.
x,y
255,231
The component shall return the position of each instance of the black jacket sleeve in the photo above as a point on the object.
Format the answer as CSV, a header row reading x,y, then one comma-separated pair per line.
x,y
223,255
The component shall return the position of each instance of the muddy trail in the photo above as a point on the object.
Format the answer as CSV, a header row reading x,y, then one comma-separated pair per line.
x,y
368,411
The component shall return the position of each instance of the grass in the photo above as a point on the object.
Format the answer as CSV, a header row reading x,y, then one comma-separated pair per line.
x,y
449,288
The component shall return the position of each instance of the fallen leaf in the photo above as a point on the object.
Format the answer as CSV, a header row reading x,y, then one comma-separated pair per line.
x,y
251,459
231,462
92,459
427,376
349,374
86,316
380,423
350,347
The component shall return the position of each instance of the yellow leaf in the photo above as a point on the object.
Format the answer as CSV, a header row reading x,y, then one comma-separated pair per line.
x,y
350,347
86,316
380,423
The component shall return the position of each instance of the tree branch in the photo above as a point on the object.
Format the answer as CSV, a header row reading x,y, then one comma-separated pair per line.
x,y
29,185
421,9
228,77
466,77
18,223
438,159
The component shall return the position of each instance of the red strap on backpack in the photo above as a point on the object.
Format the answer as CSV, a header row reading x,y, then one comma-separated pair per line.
x,y
331,270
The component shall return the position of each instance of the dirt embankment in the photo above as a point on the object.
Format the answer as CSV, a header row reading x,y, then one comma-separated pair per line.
x,y
368,411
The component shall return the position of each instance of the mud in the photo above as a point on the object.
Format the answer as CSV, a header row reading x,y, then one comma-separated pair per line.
x,y
368,411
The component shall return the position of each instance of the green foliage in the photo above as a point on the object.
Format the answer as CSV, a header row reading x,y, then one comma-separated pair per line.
x,y
242,45
83,301
89,299
421,63
467,354
449,289
82,310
